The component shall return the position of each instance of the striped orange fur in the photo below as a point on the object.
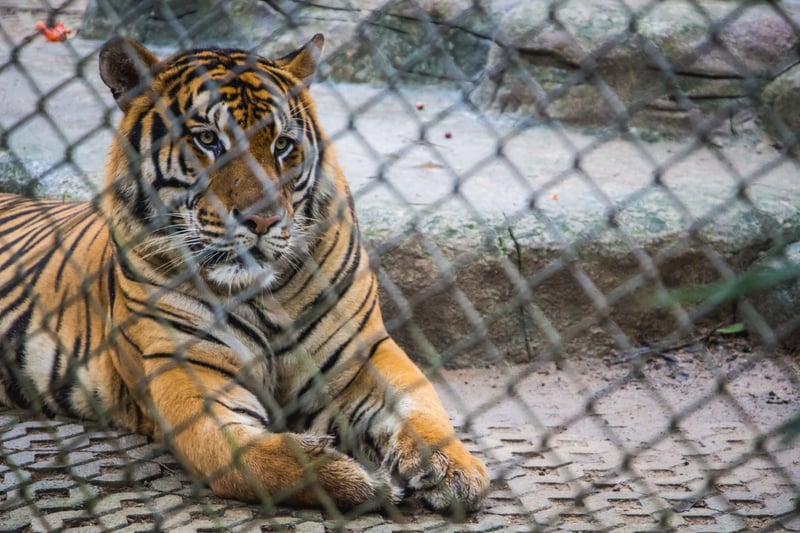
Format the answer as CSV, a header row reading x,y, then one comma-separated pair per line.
x,y
218,296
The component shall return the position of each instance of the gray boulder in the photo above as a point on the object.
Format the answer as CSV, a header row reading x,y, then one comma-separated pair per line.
x,y
430,41
179,22
780,114
668,66
771,313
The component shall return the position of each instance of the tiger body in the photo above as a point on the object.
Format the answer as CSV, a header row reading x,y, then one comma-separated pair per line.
x,y
219,297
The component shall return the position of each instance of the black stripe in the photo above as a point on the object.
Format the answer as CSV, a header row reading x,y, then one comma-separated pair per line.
x,y
304,286
183,327
329,297
170,151
372,409
77,239
37,210
11,384
15,257
61,387
264,321
29,276
62,308
87,307
16,383
184,166
130,341
369,441
16,333
177,359
357,412
54,377
251,333
111,282
333,358
305,178
135,136
175,320
158,134
310,417
22,218
245,411
368,358
34,236
124,265
172,181
140,205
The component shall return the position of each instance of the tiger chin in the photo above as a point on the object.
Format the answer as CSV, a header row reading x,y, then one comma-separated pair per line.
x,y
219,298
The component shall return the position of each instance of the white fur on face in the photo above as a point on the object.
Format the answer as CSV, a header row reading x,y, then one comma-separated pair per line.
x,y
236,276
246,268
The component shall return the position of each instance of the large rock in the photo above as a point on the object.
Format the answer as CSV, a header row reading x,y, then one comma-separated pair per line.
x,y
15,178
184,22
672,66
669,66
771,312
429,41
780,115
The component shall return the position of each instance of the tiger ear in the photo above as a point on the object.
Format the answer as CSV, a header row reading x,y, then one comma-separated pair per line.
x,y
303,62
124,66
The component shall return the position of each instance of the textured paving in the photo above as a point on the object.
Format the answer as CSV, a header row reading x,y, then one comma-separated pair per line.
x,y
592,446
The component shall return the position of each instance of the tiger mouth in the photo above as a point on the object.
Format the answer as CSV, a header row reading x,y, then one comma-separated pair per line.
x,y
232,271
244,258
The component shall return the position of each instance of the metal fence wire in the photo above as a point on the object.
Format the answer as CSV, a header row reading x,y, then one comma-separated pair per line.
x,y
583,218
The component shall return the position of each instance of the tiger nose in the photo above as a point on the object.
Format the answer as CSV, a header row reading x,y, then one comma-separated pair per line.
x,y
258,224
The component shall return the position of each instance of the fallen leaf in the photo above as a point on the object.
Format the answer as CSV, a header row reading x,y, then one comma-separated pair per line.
x,y
428,165
733,329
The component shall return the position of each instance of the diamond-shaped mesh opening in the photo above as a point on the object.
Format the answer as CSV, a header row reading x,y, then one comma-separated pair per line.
x,y
555,238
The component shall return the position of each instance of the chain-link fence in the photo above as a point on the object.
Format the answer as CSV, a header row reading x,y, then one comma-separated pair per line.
x,y
584,219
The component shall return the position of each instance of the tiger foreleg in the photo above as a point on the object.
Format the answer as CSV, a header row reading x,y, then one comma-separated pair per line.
x,y
219,431
414,434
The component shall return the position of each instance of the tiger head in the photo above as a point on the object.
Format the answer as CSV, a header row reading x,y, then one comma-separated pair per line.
x,y
215,161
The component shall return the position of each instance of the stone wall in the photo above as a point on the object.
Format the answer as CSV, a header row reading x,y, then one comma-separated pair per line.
x,y
672,66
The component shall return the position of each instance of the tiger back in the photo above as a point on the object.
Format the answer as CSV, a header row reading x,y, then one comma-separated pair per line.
x,y
219,297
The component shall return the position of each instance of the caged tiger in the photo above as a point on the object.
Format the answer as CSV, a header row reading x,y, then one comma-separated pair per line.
x,y
218,296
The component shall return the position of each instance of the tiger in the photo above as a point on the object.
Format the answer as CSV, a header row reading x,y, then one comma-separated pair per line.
x,y
217,296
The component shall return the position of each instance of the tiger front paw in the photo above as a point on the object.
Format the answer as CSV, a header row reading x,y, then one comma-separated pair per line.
x,y
449,480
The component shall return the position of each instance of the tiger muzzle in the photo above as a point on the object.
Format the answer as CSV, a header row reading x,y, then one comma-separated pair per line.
x,y
257,224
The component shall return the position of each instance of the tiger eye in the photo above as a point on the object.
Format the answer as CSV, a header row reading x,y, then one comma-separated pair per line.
x,y
282,144
207,137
